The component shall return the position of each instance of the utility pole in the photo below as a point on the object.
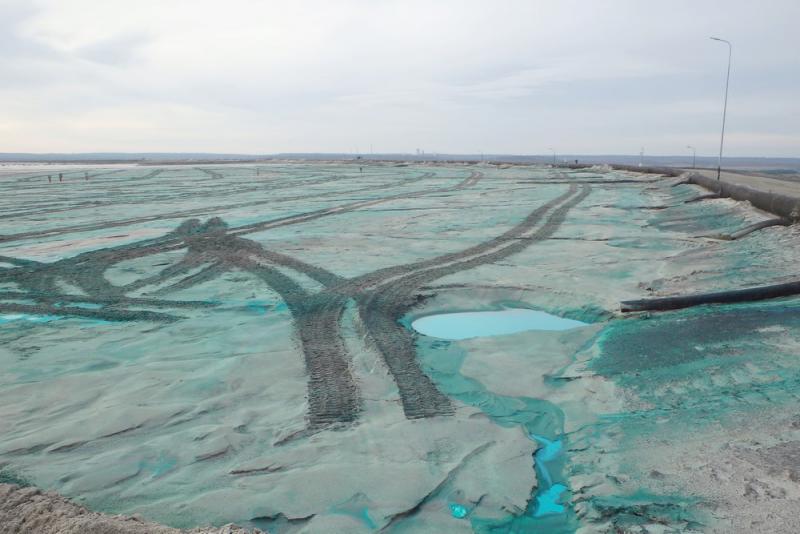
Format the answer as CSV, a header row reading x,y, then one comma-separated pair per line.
x,y
725,105
694,154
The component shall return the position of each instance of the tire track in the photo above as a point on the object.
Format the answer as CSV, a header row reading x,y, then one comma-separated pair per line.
x,y
344,208
382,297
382,308
193,212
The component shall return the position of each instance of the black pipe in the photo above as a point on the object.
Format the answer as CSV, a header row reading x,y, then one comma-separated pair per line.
x,y
722,297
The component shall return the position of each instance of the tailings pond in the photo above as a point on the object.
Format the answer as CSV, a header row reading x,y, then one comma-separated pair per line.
x,y
398,348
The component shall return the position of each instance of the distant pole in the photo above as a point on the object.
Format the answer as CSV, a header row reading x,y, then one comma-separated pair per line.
x,y
694,154
641,157
725,105
553,150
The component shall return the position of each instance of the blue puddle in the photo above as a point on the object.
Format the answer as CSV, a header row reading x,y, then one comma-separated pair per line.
x,y
465,325
547,502
459,511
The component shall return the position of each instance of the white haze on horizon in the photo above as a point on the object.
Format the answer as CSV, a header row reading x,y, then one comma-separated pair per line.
x,y
506,76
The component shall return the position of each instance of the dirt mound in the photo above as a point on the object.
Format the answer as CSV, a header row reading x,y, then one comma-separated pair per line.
x,y
28,510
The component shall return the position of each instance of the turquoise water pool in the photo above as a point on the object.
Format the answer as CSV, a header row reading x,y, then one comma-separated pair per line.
x,y
466,325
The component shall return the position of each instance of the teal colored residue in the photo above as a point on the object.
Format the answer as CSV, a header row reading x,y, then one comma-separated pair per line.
x,y
367,520
629,510
549,494
465,325
10,477
550,451
258,306
10,318
688,370
458,511
162,465
442,361
648,355
357,507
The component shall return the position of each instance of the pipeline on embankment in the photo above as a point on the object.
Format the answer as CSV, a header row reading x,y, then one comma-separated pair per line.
x,y
784,206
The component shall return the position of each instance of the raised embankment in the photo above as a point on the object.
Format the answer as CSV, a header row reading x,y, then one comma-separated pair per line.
x,y
757,191
784,203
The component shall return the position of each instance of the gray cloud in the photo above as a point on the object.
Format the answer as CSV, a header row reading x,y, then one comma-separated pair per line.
x,y
451,75
117,50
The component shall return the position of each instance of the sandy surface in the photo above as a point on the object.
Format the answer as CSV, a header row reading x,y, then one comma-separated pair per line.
x,y
31,511
177,377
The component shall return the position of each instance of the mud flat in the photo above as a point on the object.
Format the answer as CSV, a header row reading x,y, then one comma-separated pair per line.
x,y
207,345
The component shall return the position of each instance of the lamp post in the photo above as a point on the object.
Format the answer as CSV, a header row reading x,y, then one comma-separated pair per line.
x,y
725,105
694,154
553,150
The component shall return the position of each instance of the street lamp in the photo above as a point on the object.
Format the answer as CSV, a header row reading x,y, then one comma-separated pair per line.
x,y
725,106
694,154
554,154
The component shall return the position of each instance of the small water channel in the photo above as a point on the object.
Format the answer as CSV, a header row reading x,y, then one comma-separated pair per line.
x,y
542,421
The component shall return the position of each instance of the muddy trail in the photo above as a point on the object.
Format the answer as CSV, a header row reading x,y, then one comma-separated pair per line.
x,y
86,270
197,188
193,212
382,308
212,248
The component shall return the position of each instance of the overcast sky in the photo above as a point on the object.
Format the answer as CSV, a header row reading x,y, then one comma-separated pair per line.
x,y
494,76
